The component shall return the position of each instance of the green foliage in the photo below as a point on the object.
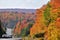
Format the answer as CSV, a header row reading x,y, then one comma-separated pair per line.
x,y
1,30
26,31
47,15
23,32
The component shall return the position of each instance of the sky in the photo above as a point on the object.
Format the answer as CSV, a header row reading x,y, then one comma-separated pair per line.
x,y
23,4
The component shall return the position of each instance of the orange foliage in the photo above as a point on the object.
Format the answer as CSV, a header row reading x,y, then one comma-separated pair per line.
x,y
58,22
20,26
55,3
37,27
16,30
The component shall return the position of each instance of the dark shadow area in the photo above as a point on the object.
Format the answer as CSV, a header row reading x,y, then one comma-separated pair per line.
x,y
40,35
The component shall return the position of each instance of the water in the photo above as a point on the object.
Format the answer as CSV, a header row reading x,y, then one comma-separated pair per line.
x,y
9,31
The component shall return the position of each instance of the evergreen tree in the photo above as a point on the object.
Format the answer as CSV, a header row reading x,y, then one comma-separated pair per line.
x,y
47,15
26,31
1,30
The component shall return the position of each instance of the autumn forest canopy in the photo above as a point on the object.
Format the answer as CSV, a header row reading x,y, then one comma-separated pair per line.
x,y
44,24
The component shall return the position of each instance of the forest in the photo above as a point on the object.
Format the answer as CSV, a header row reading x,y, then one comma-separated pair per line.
x,y
43,24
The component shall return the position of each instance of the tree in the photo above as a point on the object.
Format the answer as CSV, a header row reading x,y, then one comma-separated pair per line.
x,y
47,15
26,30
1,30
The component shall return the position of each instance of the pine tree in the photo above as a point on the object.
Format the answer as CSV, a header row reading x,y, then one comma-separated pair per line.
x,y
47,15
1,30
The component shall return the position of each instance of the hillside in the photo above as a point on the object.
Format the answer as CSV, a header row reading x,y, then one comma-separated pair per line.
x,y
18,20
47,21
38,24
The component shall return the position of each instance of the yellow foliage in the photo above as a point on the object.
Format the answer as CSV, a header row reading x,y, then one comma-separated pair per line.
x,y
53,28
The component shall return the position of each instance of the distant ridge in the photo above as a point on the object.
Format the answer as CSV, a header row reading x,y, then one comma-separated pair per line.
x,y
18,10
